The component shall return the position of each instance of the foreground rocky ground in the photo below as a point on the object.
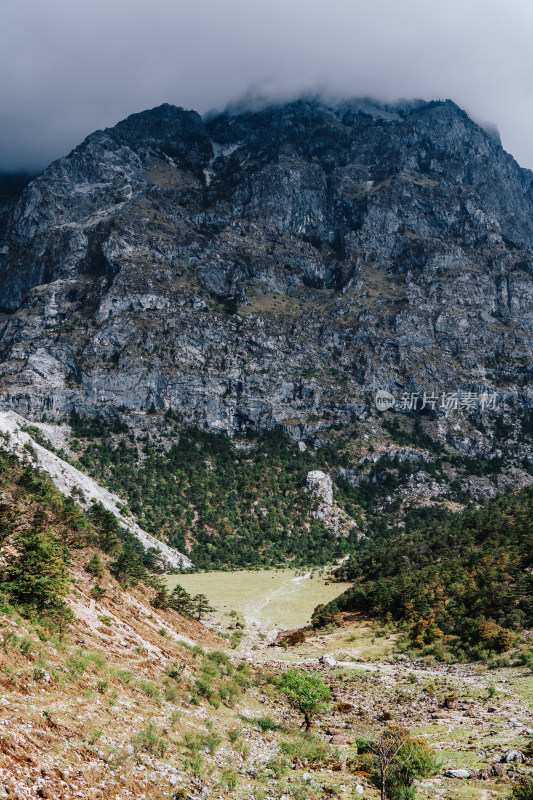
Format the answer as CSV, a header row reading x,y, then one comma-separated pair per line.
x,y
135,702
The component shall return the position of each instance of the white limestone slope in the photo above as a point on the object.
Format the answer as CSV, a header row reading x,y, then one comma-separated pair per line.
x,y
66,478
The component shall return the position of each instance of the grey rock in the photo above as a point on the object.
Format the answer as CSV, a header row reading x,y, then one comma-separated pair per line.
x,y
456,773
39,674
270,268
513,755
321,485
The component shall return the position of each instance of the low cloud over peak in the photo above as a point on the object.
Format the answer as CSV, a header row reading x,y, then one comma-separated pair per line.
x,y
68,69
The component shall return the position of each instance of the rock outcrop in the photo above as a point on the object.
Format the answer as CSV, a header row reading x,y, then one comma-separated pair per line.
x,y
274,267
320,485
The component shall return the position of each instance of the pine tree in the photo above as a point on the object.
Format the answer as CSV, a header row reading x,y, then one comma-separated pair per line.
x,y
60,615
95,566
200,605
127,568
8,520
181,601
37,574
161,599
107,528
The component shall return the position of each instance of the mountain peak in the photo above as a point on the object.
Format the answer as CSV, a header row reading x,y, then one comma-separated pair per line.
x,y
168,128
201,266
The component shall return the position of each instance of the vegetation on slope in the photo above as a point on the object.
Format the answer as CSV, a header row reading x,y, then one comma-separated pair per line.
x,y
462,583
244,504
234,508
41,529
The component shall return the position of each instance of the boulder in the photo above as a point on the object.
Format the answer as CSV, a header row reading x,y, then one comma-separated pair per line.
x,y
290,638
339,739
513,755
327,661
450,702
456,773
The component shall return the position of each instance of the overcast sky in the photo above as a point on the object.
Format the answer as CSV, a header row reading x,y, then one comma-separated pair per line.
x,y
68,67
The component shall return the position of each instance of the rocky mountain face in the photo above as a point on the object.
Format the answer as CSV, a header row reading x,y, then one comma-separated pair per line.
x,y
274,267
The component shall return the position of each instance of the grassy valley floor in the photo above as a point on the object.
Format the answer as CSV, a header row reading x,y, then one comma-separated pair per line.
x,y
270,599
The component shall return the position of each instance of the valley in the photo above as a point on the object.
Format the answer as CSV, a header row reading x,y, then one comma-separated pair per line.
x,y
266,460
268,600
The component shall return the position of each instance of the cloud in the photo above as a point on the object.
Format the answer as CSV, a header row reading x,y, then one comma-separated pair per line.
x,y
67,68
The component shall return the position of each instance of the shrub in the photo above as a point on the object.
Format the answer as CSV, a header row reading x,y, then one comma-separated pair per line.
x,y
279,766
211,741
523,789
525,657
25,645
363,745
494,637
398,761
78,664
149,689
192,742
219,657
234,734
266,724
229,778
175,671
172,694
194,765
306,692
149,741
307,746
97,592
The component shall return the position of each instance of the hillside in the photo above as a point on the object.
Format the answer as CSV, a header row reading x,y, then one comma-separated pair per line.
x,y
246,502
461,584
125,698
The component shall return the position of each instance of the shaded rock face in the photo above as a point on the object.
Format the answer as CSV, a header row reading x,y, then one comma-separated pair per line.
x,y
265,268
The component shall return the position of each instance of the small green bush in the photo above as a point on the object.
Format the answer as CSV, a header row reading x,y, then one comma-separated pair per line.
x,y
363,745
25,645
149,689
234,734
266,724
229,779
78,664
148,740
307,746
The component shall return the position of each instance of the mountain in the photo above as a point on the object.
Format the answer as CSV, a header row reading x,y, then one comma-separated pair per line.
x,y
269,267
